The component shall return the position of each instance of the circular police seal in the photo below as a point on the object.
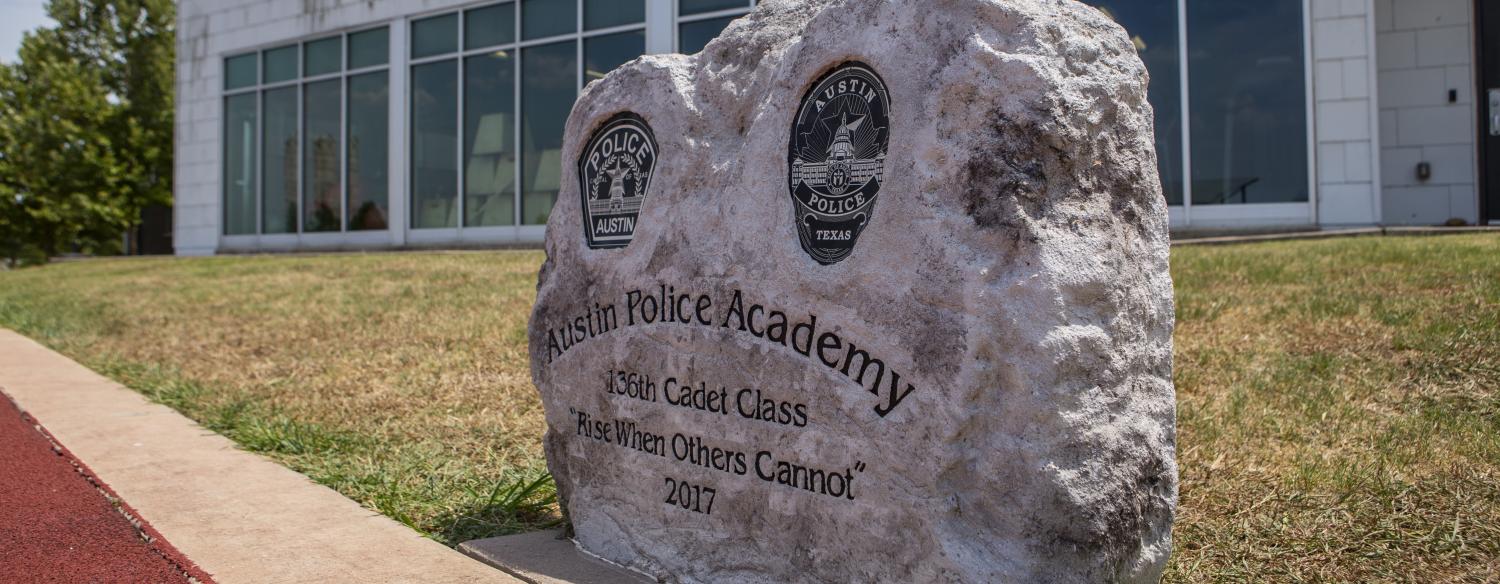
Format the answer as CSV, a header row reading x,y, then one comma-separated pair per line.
x,y
837,159
614,177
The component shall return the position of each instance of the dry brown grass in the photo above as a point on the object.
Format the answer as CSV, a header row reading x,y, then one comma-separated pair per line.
x,y
1339,411
1339,401
398,379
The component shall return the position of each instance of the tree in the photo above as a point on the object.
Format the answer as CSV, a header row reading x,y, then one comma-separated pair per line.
x,y
86,127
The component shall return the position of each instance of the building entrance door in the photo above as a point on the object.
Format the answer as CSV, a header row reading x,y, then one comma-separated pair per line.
x,y
1487,13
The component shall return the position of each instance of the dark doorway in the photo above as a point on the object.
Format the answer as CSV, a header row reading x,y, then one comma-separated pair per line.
x,y
1487,14
154,235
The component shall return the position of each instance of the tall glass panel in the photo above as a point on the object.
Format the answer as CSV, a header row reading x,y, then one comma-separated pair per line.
x,y
548,88
607,13
239,164
434,145
490,26
241,71
369,133
369,48
323,56
281,64
279,171
1248,109
601,54
322,192
1152,25
489,140
434,36
693,36
544,18
687,7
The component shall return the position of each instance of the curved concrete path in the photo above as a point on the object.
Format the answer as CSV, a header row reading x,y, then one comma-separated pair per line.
x,y
240,517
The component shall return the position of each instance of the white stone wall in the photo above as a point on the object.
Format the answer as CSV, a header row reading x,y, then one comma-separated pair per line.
x,y
208,31
1344,122
195,222
1426,51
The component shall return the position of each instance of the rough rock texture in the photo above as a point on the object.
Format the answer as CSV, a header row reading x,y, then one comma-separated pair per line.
x,y
1014,275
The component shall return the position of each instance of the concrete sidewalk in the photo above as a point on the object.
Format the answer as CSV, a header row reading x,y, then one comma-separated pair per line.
x,y
240,517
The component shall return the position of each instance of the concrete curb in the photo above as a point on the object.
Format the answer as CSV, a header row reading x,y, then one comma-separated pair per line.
x,y
240,517
548,557
1334,233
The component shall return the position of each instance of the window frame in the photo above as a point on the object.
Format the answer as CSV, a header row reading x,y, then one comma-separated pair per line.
x,y
300,82
519,229
662,29
1230,215
678,19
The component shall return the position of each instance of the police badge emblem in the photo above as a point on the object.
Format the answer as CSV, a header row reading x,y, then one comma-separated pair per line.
x,y
837,159
614,177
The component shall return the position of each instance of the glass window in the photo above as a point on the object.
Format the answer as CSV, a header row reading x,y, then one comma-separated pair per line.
x,y
686,7
239,164
369,48
281,64
434,36
434,145
490,26
279,172
1248,109
607,13
544,18
321,187
240,71
1152,25
601,54
549,77
368,164
302,157
489,140
324,56
693,36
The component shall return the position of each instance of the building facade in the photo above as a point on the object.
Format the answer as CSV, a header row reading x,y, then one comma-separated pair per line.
x,y
323,124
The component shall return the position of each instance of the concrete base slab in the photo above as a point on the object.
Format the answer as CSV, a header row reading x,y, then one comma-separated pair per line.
x,y
547,557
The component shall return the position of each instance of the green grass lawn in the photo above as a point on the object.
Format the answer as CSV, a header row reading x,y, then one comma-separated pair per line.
x,y
1339,400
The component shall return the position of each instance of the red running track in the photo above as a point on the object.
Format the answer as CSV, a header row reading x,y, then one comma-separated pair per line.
x,y
58,525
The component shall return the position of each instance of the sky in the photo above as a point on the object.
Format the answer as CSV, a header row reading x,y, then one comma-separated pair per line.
x,y
17,17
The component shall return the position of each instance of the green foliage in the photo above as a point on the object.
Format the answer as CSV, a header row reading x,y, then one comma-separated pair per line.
x,y
86,127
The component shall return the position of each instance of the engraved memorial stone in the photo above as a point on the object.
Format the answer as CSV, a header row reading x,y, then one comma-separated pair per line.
x,y
614,175
973,386
839,140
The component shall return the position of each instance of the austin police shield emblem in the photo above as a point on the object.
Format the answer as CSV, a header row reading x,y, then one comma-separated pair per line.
x,y
614,177
837,159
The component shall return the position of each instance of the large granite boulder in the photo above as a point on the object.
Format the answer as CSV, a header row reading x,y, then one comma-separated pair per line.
x,y
866,291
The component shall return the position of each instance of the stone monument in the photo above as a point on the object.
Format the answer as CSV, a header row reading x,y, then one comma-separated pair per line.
x,y
866,291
